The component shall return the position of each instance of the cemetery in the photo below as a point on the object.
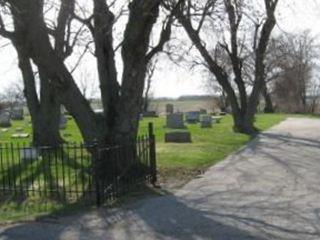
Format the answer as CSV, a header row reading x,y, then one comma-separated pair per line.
x,y
170,119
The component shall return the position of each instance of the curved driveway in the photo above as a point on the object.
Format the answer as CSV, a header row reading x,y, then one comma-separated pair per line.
x,y
268,190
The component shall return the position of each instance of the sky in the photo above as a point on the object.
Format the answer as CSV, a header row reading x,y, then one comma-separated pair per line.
x,y
171,80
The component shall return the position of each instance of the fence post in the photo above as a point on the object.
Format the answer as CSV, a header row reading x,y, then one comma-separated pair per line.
x,y
153,160
96,176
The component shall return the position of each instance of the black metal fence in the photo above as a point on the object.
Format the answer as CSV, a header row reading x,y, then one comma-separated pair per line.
x,y
75,173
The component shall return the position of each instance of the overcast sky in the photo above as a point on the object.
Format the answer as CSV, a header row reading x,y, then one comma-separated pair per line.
x,y
174,81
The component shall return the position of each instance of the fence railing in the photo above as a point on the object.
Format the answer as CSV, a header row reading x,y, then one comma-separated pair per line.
x,y
75,173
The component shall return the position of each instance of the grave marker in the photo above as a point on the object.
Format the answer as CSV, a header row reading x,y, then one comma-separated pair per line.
x,y
206,121
192,117
169,108
178,137
17,113
175,120
5,120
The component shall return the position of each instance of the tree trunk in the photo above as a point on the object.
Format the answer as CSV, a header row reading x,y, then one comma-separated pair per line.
x,y
47,127
268,101
29,16
44,112
143,15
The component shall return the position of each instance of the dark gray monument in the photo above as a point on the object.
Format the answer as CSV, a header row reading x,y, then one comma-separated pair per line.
x,y
178,137
175,120
150,114
169,108
206,121
193,117
17,113
5,120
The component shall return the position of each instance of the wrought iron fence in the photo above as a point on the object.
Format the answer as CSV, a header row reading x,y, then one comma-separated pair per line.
x,y
74,173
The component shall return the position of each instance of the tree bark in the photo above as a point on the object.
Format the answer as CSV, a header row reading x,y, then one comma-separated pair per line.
x,y
30,16
44,112
268,101
143,15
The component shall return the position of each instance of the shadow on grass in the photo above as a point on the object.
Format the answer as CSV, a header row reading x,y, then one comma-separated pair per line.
x,y
55,180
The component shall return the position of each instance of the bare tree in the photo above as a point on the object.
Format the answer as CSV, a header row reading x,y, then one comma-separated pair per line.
x,y
149,77
231,28
13,95
87,84
121,102
296,69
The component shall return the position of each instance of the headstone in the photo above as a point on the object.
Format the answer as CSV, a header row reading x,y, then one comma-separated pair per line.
x,y
216,119
29,154
20,135
5,120
175,120
4,130
169,108
178,137
203,111
150,114
63,121
192,117
17,113
98,111
19,129
206,121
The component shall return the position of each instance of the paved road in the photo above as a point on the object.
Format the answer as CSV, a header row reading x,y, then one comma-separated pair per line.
x,y
268,190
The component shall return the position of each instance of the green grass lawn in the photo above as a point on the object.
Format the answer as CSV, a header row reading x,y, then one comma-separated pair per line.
x,y
208,145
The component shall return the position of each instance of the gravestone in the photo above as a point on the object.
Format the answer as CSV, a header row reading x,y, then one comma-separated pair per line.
x,y
192,117
5,120
203,111
17,113
169,108
63,121
206,121
216,119
19,129
28,154
178,137
20,135
98,111
175,120
150,114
